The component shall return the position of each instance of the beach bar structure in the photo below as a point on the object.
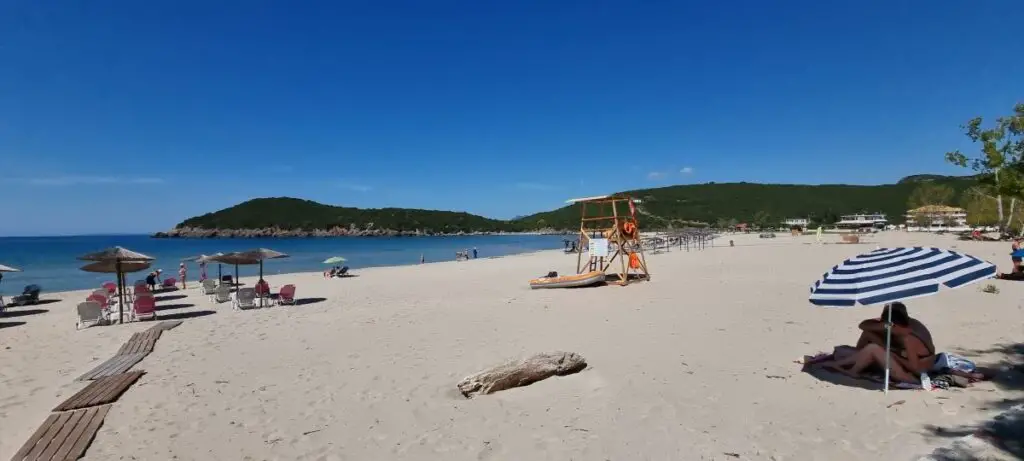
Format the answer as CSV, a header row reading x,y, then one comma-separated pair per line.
x,y
610,235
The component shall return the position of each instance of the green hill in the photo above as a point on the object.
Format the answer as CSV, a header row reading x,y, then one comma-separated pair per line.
x,y
711,202
297,214
664,206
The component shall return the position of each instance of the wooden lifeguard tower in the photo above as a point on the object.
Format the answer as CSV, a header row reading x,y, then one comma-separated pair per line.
x,y
610,234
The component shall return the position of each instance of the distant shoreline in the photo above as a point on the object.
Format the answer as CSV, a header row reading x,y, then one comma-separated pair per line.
x,y
198,233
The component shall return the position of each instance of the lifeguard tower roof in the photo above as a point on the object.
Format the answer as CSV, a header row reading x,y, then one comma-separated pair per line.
x,y
598,198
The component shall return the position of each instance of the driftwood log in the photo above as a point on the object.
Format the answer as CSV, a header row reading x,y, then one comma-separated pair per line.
x,y
524,372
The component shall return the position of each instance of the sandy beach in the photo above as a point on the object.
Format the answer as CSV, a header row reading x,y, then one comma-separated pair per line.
x,y
696,364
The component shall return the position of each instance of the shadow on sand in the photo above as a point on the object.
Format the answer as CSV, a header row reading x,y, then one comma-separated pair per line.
x,y
184,315
169,297
10,324
173,306
1004,432
307,301
23,312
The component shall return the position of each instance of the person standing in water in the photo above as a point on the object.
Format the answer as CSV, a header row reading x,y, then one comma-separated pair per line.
x,y
181,274
474,252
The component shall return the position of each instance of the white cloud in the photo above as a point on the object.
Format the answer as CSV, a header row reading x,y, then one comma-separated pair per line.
x,y
534,186
654,175
86,180
686,170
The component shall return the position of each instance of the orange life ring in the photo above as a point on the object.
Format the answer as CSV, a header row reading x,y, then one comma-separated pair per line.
x,y
634,261
629,229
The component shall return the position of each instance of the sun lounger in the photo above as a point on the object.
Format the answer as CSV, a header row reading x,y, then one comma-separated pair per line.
x,y
245,298
90,313
262,289
209,287
169,283
111,288
29,296
287,295
222,294
144,308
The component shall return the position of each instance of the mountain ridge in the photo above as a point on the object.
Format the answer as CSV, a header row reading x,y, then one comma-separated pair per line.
x,y
668,206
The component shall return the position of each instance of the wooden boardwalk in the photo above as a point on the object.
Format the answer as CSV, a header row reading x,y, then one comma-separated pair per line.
x,y
101,391
115,365
166,325
63,436
141,342
66,435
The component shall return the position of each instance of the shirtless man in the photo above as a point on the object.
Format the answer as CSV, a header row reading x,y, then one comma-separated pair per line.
x,y
912,351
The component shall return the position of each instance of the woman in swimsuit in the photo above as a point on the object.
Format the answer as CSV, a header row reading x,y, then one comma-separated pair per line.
x,y
911,351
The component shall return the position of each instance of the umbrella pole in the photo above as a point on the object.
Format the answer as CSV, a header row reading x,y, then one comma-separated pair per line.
x,y
261,281
120,293
888,341
220,275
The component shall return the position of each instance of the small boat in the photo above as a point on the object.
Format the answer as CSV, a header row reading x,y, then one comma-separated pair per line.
x,y
569,281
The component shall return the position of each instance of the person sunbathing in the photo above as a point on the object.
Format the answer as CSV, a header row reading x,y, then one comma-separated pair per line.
x,y
911,351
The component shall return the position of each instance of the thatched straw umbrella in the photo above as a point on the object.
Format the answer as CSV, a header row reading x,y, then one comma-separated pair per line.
x,y
259,255
3,269
208,259
117,256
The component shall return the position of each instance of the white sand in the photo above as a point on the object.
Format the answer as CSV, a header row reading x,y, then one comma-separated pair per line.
x,y
679,367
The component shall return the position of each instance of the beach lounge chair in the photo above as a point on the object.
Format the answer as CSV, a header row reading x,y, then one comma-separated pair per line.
x,y
262,289
222,294
111,288
90,313
169,283
102,300
245,298
144,308
287,295
29,296
209,287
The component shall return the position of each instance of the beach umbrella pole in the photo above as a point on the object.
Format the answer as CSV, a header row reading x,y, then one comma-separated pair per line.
x,y
888,342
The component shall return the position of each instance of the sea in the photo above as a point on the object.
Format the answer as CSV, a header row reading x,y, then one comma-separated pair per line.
x,y
51,261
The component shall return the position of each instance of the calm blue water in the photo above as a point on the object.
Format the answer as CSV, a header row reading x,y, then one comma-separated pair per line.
x,y
50,261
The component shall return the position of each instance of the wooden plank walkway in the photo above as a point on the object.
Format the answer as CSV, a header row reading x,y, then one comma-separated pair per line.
x,y
141,342
166,325
63,436
115,365
101,391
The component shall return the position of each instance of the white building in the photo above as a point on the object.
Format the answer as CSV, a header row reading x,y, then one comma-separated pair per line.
x,y
797,222
937,217
863,220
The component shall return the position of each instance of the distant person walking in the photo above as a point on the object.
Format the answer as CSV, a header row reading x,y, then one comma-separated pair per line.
x,y
1016,259
423,259
202,271
181,274
474,252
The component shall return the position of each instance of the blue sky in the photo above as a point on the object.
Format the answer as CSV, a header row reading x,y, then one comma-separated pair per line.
x,y
130,116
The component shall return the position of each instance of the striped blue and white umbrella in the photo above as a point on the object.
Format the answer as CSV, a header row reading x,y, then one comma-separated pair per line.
x,y
895,274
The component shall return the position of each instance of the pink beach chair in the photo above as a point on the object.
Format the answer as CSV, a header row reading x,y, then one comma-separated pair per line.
x,y
169,283
144,308
287,295
262,288
102,300
142,290
111,287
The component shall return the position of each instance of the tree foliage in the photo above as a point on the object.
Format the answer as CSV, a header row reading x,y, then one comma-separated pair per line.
x,y
930,193
999,160
291,213
739,202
